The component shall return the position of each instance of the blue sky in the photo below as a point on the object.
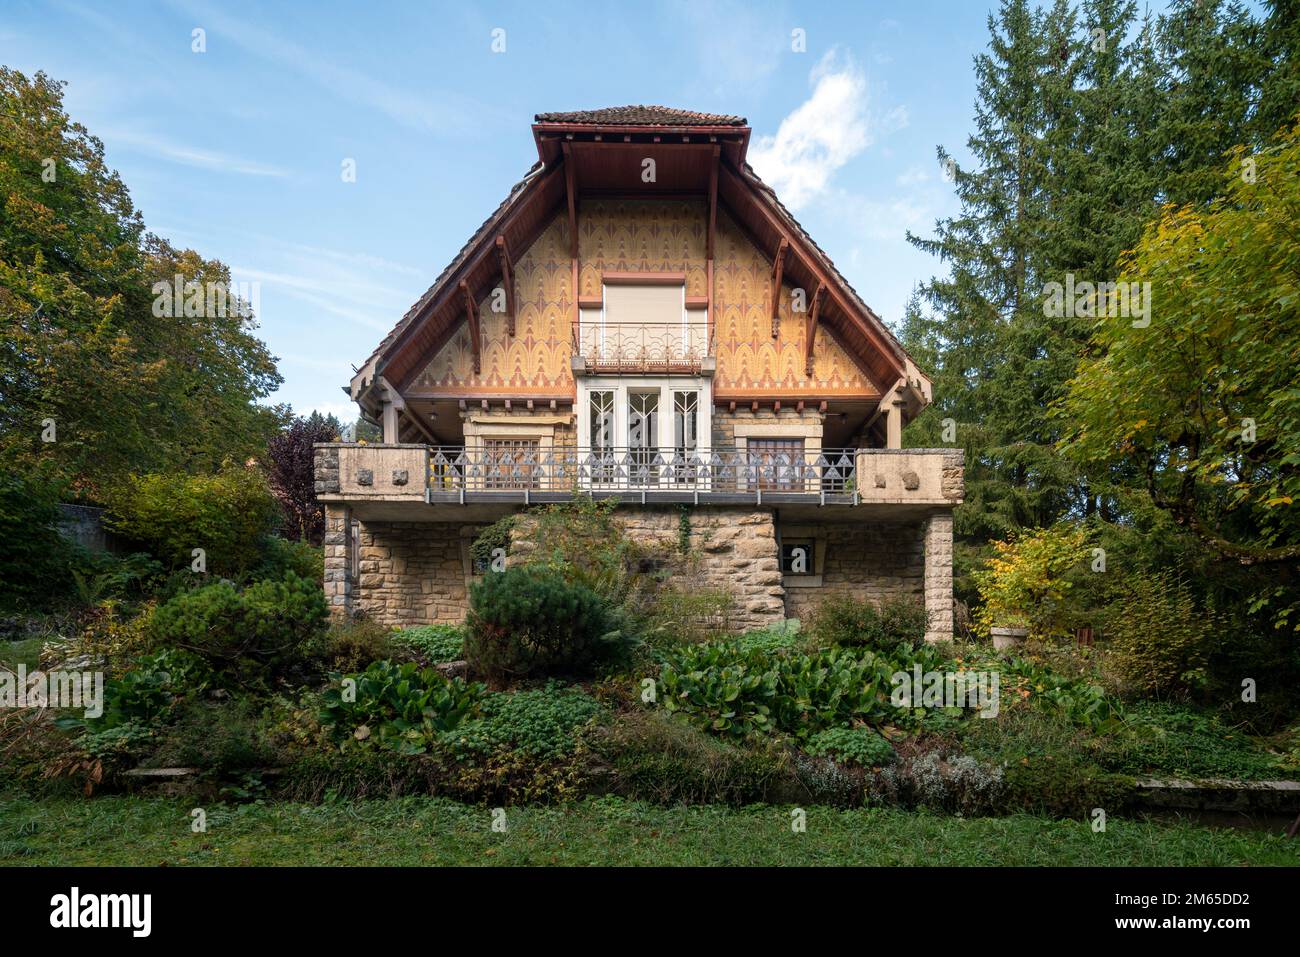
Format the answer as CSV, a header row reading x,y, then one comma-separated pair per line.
x,y
237,151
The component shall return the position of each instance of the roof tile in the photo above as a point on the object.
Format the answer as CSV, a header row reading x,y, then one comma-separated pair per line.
x,y
641,116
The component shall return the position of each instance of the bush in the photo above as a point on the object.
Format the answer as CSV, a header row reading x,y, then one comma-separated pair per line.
x,y
148,691
541,723
35,560
433,643
113,635
1159,642
954,783
864,746
530,621
354,645
1030,580
896,624
397,707
229,515
264,629
282,556
654,756
222,738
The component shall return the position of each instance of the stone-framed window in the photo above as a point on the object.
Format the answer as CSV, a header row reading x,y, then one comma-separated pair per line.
x,y
798,557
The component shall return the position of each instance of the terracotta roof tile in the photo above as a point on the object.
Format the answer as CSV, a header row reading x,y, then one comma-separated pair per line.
x,y
641,116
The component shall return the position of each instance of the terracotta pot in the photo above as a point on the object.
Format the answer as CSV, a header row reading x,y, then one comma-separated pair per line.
x,y
1004,638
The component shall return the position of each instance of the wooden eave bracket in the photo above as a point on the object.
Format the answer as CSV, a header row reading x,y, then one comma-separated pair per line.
x,y
507,282
471,316
810,332
778,273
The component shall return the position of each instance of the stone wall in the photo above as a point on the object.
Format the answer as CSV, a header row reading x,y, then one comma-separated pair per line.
x,y
866,560
731,550
725,421
338,560
412,573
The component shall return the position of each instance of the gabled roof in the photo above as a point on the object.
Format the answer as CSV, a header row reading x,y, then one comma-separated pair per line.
x,y
640,116
532,201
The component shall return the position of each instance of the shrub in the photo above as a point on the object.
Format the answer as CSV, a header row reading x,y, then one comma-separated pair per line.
x,y
281,556
542,722
530,621
35,560
148,691
113,635
267,627
1029,579
1158,640
398,707
353,645
433,643
1172,740
229,515
742,693
931,779
864,746
896,624
219,737
655,756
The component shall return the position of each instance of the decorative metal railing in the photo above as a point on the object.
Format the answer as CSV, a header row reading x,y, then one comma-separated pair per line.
x,y
641,347
458,469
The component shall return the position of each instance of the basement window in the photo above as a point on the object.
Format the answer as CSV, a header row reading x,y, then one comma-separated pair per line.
x,y
798,557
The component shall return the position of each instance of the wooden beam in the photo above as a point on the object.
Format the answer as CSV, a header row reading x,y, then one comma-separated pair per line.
x,y
571,188
471,316
414,418
508,282
778,273
810,329
713,201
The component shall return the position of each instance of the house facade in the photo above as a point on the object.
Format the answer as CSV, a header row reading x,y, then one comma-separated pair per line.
x,y
642,319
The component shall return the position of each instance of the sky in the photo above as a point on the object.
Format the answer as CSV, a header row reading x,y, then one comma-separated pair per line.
x,y
239,150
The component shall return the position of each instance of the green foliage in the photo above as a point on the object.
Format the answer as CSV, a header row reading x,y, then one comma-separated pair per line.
x,y
895,625
1159,641
229,515
864,746
281,556
248,634
36,562
221,738
433,643
397,707
1027,580
770,639
149,690
1190,403
353,645
129,390
739,693
495,536
658,757
531,621
541,722
1164,739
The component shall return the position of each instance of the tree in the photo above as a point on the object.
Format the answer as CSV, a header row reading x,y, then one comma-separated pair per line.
x,y
290,469
1204,402
95,380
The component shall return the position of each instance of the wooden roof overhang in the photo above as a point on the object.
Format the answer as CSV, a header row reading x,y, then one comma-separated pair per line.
x,y
590,160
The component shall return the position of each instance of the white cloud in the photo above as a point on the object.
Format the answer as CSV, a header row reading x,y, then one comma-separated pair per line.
x,y
823,133
159,146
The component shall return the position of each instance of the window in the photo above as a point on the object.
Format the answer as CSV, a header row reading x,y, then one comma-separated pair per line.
x,y
642,437
798,557
776,464
686,425
601,407
510,463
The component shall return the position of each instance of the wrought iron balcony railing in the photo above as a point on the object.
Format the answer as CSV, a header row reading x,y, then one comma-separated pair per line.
x,y
641,347
456,470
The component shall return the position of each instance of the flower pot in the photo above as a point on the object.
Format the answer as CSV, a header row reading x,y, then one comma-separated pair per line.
x,y
1004,638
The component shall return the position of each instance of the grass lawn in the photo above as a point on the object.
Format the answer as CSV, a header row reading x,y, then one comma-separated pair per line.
x,y
429,831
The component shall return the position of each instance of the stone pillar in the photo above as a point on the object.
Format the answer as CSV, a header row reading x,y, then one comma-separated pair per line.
x,y
938,576
338,561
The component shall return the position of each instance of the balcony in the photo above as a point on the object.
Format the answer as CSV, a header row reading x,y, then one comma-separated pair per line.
x,y
662,348
392,475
